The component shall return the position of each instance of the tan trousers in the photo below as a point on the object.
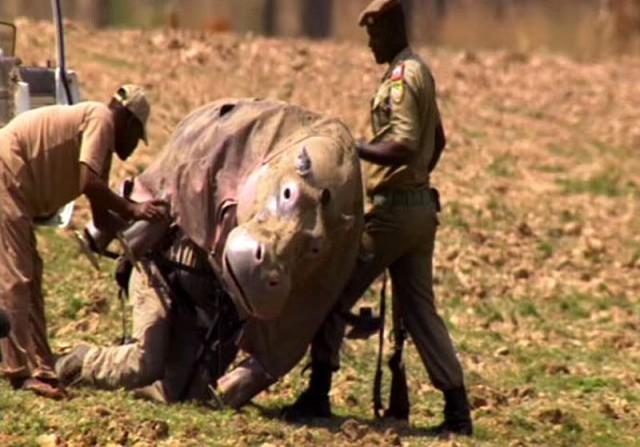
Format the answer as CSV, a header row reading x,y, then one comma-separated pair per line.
x,y
162,355
400,238
26,351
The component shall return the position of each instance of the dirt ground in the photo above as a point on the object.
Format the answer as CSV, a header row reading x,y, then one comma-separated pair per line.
x,y
537,263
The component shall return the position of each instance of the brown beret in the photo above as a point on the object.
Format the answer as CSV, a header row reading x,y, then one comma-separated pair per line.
x,y
375,8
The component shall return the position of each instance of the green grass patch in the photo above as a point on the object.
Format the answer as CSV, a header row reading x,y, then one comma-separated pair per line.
x,y
73,307
528,308
501,213
546,249
550,168
573,308
474,134
111,61
557,149
605,183
455,215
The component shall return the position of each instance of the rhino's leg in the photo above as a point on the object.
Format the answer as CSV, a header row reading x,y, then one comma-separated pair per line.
x,y
239,386
380,247
154,392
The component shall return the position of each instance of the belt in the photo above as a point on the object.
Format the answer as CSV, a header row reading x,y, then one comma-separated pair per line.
x,y
407,198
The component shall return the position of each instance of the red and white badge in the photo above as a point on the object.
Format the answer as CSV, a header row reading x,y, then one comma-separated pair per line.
x,y
398,72
397,83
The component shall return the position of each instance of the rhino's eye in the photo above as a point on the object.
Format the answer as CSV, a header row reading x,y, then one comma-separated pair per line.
x,y
325,197
289,195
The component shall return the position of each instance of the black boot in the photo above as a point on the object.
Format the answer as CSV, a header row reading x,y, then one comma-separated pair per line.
x,y
314,401
457,414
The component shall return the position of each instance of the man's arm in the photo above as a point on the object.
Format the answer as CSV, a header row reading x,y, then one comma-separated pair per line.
x,y
386,153
103,200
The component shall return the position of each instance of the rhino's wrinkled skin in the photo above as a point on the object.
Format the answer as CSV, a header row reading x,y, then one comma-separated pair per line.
x,y
273,192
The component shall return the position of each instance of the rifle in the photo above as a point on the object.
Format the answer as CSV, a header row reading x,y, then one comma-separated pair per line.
x,y
377,380
399,397
218,332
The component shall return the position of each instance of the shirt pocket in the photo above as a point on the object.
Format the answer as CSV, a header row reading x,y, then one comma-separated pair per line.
x,y
381,108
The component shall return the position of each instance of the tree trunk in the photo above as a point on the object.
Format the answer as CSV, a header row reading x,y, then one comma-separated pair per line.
x,y
270,17
441,8
95,12
409,16
317,18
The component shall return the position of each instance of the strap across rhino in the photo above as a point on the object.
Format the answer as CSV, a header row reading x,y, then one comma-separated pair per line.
x,y
271,195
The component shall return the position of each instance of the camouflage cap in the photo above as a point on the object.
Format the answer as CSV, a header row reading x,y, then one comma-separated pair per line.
x,y
375,8
133,97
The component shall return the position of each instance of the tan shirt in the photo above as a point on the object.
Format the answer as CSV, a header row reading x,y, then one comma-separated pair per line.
x,y
404,109
48,145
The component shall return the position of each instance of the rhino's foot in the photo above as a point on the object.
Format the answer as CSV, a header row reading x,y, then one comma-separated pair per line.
x,y
154,393
308,405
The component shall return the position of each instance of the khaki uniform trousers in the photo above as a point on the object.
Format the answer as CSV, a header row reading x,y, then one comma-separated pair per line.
x,y
163,351
26,352
399,234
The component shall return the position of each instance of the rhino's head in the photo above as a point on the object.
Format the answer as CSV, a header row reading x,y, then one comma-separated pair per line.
x,y
291,213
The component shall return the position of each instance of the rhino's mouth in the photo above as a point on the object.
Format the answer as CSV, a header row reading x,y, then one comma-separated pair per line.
x,y
237,285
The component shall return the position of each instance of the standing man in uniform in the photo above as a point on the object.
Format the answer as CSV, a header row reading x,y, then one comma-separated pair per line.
x,y
48,157
400,223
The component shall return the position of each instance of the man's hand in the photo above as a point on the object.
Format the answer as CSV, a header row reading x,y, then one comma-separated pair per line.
x,y
103,200
151,210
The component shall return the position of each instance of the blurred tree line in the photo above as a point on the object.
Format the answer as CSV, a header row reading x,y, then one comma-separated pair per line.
x,y
310,18
568,25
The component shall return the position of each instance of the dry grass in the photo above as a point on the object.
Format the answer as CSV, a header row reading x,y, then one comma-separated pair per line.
x,y
538,257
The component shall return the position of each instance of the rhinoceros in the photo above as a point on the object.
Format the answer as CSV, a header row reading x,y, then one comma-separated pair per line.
x,y
273,194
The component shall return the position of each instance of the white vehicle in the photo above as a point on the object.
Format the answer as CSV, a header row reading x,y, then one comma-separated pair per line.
x,y
24,88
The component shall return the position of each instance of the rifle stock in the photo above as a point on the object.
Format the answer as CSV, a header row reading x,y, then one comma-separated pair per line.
x,y
399,398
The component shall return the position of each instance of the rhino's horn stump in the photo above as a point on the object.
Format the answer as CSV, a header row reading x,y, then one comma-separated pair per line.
x,y
303,163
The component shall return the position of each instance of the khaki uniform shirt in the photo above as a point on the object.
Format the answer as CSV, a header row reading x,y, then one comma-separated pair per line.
x,y
43,149
404,109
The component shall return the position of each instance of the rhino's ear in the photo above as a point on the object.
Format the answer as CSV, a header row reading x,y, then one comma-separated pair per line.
x,y
303,163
